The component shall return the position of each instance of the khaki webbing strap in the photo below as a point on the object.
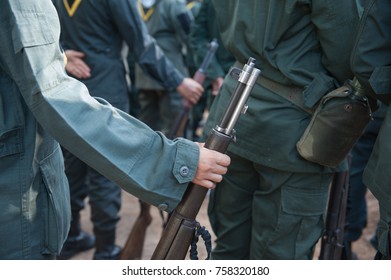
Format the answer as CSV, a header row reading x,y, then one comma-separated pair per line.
x,y
291,93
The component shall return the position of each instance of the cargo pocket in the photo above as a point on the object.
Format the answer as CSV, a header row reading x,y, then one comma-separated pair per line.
x,y
383,234
56,212
11,142
303,217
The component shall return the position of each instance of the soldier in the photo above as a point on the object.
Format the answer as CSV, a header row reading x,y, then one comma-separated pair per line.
x,y
371,60
272,201
356,212
41,104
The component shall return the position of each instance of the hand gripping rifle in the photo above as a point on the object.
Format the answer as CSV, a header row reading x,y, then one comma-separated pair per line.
x,y
180,123
181,227
133,247
332,240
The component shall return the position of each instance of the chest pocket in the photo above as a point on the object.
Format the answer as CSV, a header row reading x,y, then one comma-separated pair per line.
x,y
11,142
33,29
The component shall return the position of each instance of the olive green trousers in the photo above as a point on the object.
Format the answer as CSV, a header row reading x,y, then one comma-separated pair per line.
x,y
259,212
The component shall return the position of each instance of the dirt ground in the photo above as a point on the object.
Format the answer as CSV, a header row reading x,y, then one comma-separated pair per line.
x,y
130,211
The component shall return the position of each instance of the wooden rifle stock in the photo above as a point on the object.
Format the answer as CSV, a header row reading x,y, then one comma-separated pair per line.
x,y
180,229
133,247
332,240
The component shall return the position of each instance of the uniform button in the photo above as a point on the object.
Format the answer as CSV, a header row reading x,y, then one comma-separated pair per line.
x,y
163,207
184,171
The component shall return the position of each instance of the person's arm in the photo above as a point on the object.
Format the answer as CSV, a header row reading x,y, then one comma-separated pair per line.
x,y
148,54
371,55
143,162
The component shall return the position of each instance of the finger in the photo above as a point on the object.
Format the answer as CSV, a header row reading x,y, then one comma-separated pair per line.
x,y
194,100
223,159
221,170
206,184
216,178
84,68
78,54
82,71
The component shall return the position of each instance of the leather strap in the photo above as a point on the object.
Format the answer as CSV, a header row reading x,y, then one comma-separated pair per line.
x,y
292,93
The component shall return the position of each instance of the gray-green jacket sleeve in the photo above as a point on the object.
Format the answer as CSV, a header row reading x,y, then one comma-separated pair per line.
x,y
143,162
371,56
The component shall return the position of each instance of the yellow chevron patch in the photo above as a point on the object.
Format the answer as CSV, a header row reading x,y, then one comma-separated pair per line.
x,y
148,14
71,9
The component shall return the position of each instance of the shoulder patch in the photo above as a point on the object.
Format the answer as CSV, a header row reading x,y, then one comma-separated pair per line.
x,y
71,7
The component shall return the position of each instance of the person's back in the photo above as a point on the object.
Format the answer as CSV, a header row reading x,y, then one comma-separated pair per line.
x,y
273,197
168,21
92,28
292,46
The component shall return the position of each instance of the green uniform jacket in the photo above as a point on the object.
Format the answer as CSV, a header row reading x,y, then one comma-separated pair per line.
x,y
371,56
371,63
204,29
39,101
306,44
169,26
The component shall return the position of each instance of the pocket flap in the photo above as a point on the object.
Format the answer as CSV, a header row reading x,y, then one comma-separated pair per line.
x,y
292,202
11,142
32,30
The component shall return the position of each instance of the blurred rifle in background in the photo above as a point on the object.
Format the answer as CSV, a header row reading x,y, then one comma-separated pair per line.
x,y
332,240
181,121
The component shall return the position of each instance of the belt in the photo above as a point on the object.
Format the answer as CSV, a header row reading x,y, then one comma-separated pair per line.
x,y
291,93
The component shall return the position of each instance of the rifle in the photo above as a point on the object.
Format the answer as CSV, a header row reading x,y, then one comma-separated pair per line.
x,y
134,244
180,123
332,240
133,248
181,227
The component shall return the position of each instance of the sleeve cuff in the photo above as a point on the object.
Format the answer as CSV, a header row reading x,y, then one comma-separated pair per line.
x,y
186,163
